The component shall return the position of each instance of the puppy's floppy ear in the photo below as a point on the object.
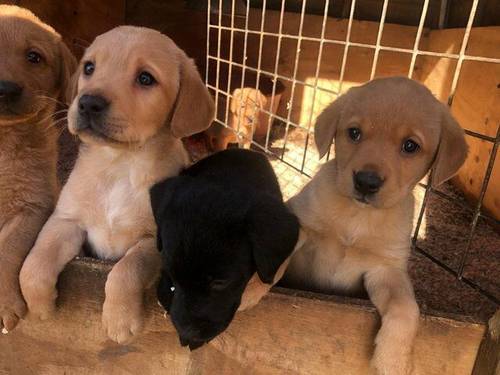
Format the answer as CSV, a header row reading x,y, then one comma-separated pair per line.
x,y
452,150
326,124
273,232
194,107
67,70
161,195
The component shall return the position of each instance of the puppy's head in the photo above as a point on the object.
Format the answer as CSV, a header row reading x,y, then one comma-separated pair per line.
x,y
212,243
388,134
35,65
131,83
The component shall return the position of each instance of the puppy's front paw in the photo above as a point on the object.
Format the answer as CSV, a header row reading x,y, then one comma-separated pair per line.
x,y
12,308
393,351
42,307
40,296
122,321
391,363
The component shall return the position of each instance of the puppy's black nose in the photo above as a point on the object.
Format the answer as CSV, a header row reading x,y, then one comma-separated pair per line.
x,y
367,182
9,91
92,105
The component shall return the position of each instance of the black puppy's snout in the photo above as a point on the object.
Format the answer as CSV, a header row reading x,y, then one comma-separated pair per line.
x,y
92,105
367,182
10,91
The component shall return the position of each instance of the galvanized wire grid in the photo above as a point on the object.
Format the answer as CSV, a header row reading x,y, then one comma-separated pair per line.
x,y
214,22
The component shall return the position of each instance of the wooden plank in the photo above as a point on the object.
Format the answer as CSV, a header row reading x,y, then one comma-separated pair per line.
x,y
488,358
289,332
78,21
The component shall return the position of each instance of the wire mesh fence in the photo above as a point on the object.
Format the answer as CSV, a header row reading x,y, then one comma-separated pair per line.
x,y
247,45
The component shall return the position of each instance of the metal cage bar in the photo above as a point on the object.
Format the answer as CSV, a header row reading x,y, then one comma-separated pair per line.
x,y
294,82
379,39
414,54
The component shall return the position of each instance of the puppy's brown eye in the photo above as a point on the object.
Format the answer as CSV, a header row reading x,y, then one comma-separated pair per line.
x,y
354,134
410,146
34,57
88,68
145,79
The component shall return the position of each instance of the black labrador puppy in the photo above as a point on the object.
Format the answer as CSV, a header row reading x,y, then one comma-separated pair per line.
x,y
220,222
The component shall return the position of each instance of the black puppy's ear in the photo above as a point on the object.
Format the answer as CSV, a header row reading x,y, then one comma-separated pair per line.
x,y
161,195
273,232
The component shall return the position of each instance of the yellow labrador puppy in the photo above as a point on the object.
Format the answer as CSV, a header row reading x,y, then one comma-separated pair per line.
x,y
357,211
35,68
137,94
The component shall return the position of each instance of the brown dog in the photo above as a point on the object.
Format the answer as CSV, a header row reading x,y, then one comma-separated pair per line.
x,y
245,120
357,211
35,67
137,94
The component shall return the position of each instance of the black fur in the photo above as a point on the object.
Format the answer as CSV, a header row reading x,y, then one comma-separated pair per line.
x,y
219,222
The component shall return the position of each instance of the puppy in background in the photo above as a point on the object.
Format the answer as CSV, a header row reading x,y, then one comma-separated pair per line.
x,y
135,95
35,68
357,211
225,236
244,120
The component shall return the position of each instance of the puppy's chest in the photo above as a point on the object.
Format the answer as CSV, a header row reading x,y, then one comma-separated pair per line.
x,y
344,252
123,205
120,215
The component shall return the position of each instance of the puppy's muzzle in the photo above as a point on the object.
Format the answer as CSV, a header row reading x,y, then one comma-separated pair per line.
x,y
10,92
367,183
92,110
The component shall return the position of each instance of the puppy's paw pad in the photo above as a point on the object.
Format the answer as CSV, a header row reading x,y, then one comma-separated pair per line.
x,y
122,327
122,332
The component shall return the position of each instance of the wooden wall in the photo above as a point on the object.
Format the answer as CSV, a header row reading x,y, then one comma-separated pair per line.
x,y
476,104
403,12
